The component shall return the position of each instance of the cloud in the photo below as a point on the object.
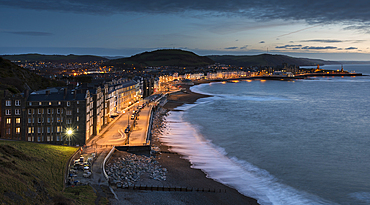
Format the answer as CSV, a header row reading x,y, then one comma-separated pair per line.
x,y
351,48
29,33
289,46
319,47
262,41
323,41
354,15
244,47
231,48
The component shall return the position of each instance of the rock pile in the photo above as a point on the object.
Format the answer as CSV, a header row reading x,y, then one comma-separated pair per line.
x,y
158,126
126,170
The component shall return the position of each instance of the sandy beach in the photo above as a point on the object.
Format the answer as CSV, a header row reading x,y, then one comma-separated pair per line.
x,y
178,172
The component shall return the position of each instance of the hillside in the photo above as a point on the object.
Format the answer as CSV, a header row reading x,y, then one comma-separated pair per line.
x,y
166,57
266,60
16,79
54,58
33,173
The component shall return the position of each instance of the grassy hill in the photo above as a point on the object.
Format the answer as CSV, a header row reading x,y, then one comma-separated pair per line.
x,y
266,60
33,173
54,58
16,79
166,57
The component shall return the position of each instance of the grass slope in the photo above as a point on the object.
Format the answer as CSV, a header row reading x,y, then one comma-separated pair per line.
x,y
165,57
54,58
33,173
266,60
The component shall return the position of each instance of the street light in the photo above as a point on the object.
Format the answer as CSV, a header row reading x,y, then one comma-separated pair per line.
x,y
69,133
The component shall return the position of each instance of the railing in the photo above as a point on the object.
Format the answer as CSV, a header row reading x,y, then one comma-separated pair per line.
x,y
105,160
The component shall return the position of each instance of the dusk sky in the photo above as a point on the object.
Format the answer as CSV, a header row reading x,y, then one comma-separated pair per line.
x,y
326,29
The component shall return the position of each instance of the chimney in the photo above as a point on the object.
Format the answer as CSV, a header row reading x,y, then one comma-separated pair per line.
x,y
26,94
65,93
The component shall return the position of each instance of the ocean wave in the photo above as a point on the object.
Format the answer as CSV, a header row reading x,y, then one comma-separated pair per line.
x,y
248,179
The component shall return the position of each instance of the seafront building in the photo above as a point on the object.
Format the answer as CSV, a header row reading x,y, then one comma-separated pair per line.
x,y
65,115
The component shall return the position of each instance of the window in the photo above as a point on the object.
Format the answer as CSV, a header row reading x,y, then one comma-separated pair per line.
x,y
48,110
29,139
48,138
18,120
18,130
17,111
8,103
69,121
57,138
48,120
8,112
78,102
17,103
49,103
38,139
42,120
58,110
77,128
33,120
52,111
58,129
68,103
78,110
30,103
48,130
40,103
29,130
29,111
29,120
78,118
39,130
8,120
58,119
39,120
39,111
59,103
8,131
69,112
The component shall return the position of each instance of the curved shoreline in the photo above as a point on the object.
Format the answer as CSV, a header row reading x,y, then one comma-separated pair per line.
x,y
180,168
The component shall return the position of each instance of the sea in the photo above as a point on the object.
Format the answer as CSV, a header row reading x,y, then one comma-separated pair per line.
x,y
300,142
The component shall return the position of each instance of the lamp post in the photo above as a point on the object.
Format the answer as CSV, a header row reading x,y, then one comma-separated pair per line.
x,y
69,133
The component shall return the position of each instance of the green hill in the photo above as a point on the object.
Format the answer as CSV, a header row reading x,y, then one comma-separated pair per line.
x,y
33,173
16,79
266,60
166,57
54,58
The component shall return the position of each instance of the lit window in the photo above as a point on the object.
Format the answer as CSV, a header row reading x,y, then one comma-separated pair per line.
x,y
78,118
17,120
17,103
8,120
58,119
17,130
40,103
59,103
58,129
77,128
8,103
49,103
29,130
